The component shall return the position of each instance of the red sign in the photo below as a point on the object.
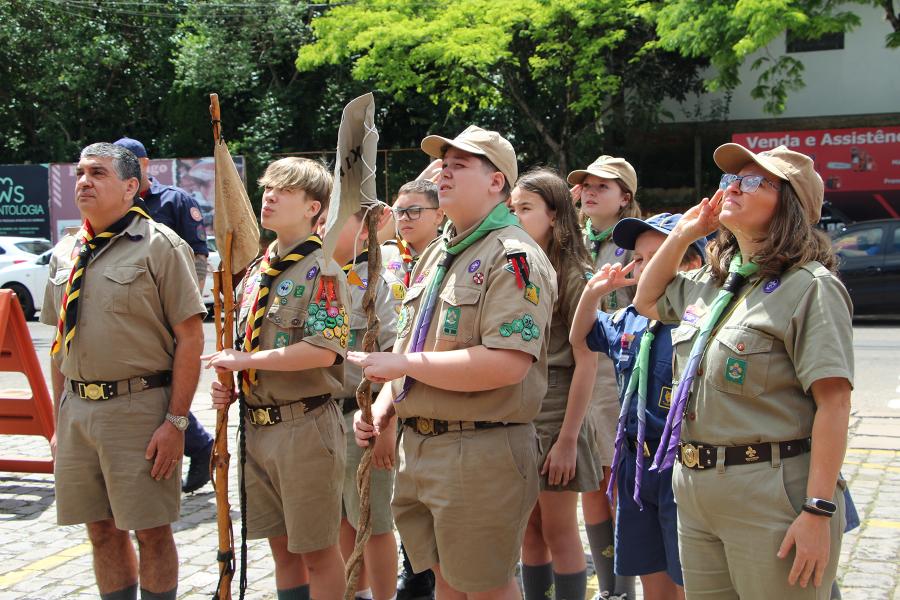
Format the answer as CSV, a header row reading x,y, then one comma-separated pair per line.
x,y
849,160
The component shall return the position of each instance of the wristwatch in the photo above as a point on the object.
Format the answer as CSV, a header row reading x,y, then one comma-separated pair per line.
x,y
180,423
817,506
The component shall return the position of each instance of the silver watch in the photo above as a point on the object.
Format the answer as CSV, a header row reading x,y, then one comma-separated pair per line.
x,y
180,423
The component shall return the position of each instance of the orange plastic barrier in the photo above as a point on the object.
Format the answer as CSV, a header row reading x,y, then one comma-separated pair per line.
x,y
22,414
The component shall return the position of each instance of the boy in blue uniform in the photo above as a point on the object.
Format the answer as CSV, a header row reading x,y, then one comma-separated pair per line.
x,y
646,521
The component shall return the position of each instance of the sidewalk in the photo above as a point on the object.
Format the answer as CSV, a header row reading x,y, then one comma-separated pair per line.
x,y
42,561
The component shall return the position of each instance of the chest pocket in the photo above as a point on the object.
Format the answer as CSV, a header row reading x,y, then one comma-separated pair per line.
x,y
289,322
122,287
408,310
682,342
456,316
738,361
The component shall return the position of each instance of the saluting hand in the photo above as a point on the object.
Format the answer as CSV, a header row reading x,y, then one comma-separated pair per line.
x,y
811,534
701,220
379,367
575,191
227,360
165,449
221,395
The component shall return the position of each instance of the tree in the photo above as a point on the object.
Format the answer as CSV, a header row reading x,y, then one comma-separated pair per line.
x,y
563,69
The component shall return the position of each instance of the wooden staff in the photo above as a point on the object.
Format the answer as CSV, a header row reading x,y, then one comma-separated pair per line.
x,y
223,296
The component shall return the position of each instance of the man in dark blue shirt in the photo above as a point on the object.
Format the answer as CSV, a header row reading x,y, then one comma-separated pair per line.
x,y
176,209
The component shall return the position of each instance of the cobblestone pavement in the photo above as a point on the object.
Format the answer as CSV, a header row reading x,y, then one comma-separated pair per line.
x,y
41,561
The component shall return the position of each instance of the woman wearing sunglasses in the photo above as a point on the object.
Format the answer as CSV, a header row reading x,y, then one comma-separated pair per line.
x,y
764,358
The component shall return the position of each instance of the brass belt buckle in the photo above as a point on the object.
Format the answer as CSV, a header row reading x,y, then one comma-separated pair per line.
x,y
690,456
261,416
92,391
424,426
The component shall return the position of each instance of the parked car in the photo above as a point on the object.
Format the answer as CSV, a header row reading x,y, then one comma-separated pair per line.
x,y
869,254
212,264
17,250
27,280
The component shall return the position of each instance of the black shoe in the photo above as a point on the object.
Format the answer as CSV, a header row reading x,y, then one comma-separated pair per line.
x,y
415,586
198,472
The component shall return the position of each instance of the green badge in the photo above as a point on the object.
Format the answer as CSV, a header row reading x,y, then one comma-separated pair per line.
x,y
613,301
313,309
451,321
330,322
282,339
283,300
518,325
299,290
506,330
735,370
352,341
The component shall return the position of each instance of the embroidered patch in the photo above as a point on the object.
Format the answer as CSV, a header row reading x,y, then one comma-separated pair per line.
x,y
196,214
473,266
285,287
525,327
394,265
351,341
627,338
364,284
509,268
665,398
404,321
201,232
451,321
421,276
613,301
771,286
299,290
311,274
331,322
478,278
282,339
691,314
354,279
735,370
398,290
620,251
533,293
282,301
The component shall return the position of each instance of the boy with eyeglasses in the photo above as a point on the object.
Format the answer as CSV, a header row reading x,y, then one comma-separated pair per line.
x,y
417,218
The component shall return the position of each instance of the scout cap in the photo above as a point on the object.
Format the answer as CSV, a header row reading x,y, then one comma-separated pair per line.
x,y
626,231
794,167
608,167
482,142
135,146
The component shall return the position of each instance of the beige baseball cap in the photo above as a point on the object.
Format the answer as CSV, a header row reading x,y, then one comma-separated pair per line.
x,y
794,167
482,142
608,167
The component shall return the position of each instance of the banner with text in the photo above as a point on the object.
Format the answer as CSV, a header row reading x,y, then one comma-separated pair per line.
x,y
23,201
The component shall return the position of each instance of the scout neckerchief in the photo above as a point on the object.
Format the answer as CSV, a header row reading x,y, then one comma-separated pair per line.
x,y
498,218
352,277
640,375
596,239
268,271
407,257
737,276
91,244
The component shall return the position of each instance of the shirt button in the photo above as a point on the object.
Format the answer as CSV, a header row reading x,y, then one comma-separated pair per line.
x,y
740,346
699,370
692,416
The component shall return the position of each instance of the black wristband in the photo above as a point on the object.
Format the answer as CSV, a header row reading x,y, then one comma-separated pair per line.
x,y
815,511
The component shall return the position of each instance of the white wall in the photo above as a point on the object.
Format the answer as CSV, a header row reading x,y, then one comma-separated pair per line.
x,y
863,78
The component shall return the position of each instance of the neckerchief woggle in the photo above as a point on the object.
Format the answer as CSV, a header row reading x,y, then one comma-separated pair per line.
x,y
637,383
737,276
498,218
91,243
596,239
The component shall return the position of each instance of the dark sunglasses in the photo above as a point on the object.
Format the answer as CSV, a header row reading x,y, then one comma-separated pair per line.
x,y
748,183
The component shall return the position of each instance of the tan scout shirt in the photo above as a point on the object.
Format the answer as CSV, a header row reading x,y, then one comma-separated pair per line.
x,y
393,261
135,290
754,381
559,350
481,304
293,316
388,296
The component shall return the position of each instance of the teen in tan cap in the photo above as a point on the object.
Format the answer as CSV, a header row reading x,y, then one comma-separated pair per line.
x,y
606,189
468,373
764,359
293,466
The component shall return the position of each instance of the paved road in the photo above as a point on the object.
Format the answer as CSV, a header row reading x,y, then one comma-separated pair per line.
x,y
41,561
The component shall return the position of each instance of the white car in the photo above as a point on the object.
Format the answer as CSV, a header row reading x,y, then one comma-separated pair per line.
x,y
212,264
18,250
28,280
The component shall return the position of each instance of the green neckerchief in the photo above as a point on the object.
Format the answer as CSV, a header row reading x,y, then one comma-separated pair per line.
x,y
596,238
453,245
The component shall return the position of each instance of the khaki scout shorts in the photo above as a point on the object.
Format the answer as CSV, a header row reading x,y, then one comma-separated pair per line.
x,y
382,485
603,413
101,472
294,474
462,499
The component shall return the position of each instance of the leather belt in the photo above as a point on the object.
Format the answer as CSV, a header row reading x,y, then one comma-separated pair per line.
x,y
349,405
104,390
266,416
694,455
431,427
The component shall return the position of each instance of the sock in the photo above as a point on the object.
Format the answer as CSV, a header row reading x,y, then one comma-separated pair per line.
x,y
365,594
301,592
835,591
600,539
625,585
538,581
129,593
170,595
570,586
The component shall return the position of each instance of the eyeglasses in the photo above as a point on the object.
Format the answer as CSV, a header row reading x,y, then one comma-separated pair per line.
x,y
412,213
747,183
